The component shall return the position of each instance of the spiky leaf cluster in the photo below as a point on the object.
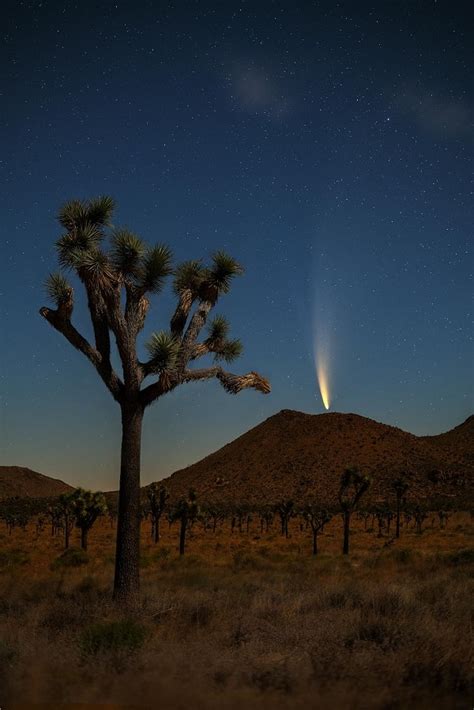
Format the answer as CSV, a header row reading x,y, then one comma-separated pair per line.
x,y
229,351
163,349
77,214
127,252
224,268
156,266
188,277
218,328
223,349
58,288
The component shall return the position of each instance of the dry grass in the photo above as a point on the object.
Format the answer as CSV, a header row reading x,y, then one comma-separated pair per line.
x,y
243,621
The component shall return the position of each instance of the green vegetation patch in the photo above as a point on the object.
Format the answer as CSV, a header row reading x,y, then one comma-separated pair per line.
x,y
460,557
72,557
115,636
13,558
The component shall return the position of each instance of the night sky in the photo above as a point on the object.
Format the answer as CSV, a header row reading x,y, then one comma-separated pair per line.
x,y
328,146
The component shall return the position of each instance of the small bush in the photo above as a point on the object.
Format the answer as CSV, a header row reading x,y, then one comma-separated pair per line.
x,y
162,553
460,557
124,636
403,556
13,558
8,654
245,560
73,557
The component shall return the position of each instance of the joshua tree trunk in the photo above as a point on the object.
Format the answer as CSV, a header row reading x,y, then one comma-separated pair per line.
x,y
84,532
315,542
347,522
182,535
127,560
397,528
157,530
66,532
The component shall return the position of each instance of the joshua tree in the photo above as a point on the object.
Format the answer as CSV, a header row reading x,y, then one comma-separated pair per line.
x,y
420,516
157,497
443,516
186,511
364,515
285,511
266,518
65,507
216,514
317,519
55,515
400,486
86,507
353,486
118,283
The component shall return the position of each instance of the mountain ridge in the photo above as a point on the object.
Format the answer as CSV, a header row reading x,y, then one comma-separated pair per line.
x,y
25,483
297,455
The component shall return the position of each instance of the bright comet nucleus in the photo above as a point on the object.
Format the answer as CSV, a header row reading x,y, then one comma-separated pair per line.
x,y
323,381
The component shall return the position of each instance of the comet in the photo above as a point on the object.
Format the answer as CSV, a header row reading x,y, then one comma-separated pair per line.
x,y
322,361
323,382
324,328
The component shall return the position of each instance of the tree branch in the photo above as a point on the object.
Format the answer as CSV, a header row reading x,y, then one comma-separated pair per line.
x,y
195,326
180,316
231,383
64,326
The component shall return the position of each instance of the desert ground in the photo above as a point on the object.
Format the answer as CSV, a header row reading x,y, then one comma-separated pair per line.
x,y
242,620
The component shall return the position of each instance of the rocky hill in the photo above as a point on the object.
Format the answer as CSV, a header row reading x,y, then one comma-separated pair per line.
x,y
23,482
301,456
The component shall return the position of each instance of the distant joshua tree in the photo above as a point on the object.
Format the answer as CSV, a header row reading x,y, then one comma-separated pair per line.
x,y
130,271
400,486
420,516
86,507
186,511
157,497
317,519
65,507
285,511
443,516
353,486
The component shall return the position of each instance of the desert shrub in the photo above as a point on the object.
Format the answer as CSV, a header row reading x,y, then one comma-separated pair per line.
x,y
124,636
61,616
13,558
8,654
460,557
276,679
162,553
403,556
88,586
246,560
201,614
72,557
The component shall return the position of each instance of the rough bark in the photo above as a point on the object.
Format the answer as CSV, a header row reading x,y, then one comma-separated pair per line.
x,y
127,560
182,535
347,521
397,529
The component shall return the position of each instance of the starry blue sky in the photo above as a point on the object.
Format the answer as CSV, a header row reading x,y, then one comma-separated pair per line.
x,y
327,145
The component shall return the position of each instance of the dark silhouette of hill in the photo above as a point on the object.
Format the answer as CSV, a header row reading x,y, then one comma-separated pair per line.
x,y
17,481
301,456
458,441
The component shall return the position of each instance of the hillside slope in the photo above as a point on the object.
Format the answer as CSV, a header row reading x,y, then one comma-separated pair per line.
x,y
23,482
296,455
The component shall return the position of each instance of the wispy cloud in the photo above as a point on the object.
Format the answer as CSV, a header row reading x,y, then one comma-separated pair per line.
x,y
437,114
